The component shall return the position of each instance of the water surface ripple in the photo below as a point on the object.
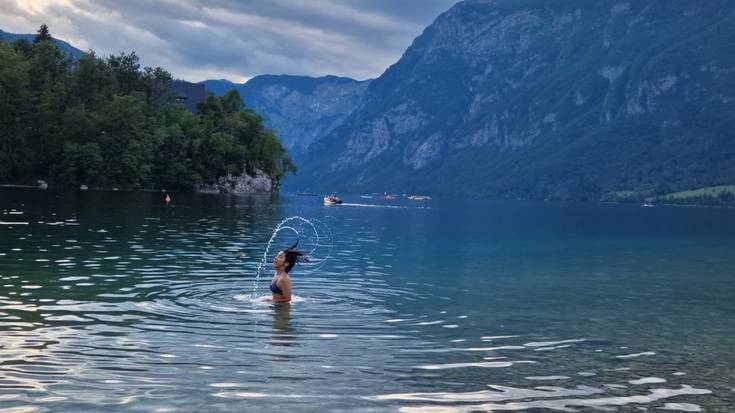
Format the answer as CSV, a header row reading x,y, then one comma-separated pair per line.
x,y
113,301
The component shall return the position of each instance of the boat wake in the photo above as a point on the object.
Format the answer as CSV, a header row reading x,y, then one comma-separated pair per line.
x,y
373,206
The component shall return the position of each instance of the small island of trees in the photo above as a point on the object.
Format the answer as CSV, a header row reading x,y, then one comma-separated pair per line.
x,y
110,123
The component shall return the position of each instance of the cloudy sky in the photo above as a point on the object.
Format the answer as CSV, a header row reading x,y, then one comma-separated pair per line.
x,y
236,39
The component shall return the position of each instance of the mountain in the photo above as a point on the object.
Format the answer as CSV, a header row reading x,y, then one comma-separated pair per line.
x,y
299,108
569,99
69,50
220,87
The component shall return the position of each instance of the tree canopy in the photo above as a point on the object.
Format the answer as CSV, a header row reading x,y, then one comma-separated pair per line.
x,y
109,122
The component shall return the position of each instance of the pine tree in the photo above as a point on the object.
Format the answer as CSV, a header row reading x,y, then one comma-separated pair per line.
x,y
43,35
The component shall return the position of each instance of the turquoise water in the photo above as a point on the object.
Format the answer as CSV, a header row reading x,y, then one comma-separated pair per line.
x,y
112,301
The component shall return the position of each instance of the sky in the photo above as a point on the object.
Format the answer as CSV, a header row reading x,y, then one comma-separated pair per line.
x,y
236,39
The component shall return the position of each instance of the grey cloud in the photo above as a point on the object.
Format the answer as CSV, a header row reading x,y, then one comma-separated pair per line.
x,y
199,39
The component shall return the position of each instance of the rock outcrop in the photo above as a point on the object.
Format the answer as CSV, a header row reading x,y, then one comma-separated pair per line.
x,y
241,184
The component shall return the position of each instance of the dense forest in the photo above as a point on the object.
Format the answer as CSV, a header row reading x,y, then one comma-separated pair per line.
x,y
110,123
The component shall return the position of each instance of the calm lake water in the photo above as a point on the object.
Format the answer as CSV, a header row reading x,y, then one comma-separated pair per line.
x,y
113,301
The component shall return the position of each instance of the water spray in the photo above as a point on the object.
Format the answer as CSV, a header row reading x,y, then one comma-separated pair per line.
x,y
314,263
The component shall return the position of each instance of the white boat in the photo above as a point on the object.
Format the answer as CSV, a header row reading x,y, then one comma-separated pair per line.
x,y
332,200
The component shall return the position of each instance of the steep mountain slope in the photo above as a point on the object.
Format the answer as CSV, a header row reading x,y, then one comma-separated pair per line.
x,y
300,108
564,99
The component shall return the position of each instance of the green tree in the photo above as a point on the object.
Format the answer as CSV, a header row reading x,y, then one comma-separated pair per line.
x,y
106,122
126,72
93,80
42,35
14,106
125,141
24,47
271,156
177,140
156,84
49,82
78,164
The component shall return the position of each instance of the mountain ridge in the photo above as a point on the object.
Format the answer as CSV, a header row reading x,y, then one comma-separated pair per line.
x,y
69,50
497,98
300,108
570,100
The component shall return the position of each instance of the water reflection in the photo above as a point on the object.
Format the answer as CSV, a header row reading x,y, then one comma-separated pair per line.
x,y
105,309
549,398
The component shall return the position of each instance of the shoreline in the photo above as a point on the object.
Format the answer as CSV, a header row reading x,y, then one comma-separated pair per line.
x,y
276,192
163,191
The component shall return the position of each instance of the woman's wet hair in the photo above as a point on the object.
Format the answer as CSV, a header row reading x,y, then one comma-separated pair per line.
x,y
294,256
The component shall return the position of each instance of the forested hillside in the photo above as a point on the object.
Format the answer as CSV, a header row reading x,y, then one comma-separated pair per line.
x,y
110,123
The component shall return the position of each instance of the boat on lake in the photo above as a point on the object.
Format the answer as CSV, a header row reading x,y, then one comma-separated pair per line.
x,y
332,200
419,197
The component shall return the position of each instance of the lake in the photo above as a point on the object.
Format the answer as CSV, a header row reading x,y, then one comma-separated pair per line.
x,y
114,301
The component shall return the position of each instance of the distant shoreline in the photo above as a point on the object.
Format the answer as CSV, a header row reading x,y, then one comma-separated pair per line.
x,y
20,186
276,192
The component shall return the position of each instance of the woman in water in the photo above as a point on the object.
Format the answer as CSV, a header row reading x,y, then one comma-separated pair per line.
x,y
281,281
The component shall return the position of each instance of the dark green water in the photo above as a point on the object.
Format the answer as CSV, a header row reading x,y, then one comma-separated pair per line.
x,y
112,301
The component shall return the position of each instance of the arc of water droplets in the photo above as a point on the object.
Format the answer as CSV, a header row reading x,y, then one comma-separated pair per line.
x,y
281,226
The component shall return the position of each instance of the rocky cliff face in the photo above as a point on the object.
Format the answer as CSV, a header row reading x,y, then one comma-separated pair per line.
x,y
241,184
541,99
301,109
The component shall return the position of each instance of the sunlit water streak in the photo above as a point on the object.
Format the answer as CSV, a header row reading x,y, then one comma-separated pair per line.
x,y
125,304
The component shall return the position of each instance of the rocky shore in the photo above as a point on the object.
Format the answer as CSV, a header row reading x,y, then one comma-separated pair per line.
x,y
241,184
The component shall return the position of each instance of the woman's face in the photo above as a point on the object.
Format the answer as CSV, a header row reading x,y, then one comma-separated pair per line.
x,y
280,261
